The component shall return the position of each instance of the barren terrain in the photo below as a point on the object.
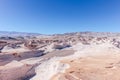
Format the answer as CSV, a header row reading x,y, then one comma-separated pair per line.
x,y
70,56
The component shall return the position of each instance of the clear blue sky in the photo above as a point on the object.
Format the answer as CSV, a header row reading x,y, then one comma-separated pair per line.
x,y
59,16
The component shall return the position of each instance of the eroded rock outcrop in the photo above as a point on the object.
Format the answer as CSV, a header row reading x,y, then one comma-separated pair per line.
x,y
49,68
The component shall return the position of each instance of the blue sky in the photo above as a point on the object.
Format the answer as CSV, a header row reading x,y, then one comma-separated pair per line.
x,y
60,16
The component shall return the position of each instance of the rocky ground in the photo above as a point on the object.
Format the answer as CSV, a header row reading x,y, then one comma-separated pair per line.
x,y
70,56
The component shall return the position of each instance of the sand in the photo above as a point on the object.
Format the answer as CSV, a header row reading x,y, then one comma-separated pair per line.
x,y
101,67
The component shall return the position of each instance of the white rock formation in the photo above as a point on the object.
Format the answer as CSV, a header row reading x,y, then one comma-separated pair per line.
x,y
12,50
49,68
93,49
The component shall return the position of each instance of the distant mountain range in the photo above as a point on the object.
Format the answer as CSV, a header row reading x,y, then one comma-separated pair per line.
x,y
87,33
94,34
8,33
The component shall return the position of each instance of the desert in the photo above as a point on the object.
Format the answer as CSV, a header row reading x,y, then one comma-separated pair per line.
x,y
69,56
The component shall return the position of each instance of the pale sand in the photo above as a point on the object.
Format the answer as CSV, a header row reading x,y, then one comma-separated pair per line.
x,y
101,67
